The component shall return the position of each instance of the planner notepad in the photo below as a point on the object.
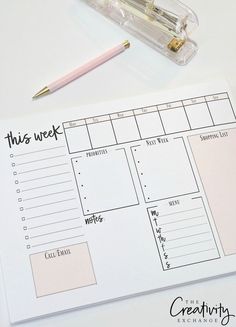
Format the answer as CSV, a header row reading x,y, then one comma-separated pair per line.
x,y
111,200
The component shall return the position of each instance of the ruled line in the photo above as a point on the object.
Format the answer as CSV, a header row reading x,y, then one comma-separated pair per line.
x,y
48,158
191,253
48,204
55,232
178,238
174,213
53,223
176,221
173,230
35,179
49,194
26,153
31,170
62,239
51,213
189,244
47,185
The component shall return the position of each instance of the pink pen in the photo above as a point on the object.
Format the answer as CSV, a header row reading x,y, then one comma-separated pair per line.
x,y
83,69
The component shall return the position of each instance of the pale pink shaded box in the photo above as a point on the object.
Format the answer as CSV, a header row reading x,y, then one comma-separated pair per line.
x,y
62,269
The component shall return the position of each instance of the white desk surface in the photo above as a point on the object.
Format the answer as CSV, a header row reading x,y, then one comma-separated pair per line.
x,y
41,40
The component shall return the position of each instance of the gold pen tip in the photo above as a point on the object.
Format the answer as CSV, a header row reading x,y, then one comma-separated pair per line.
x,y
42,92
126,44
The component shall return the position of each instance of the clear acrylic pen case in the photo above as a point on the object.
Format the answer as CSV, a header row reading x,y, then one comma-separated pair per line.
x,y
165,25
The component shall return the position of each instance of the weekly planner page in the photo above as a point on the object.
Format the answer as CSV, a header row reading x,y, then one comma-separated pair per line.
x,y
111,200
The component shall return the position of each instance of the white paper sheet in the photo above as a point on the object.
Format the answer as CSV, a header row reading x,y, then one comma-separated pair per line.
x,y
111,200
